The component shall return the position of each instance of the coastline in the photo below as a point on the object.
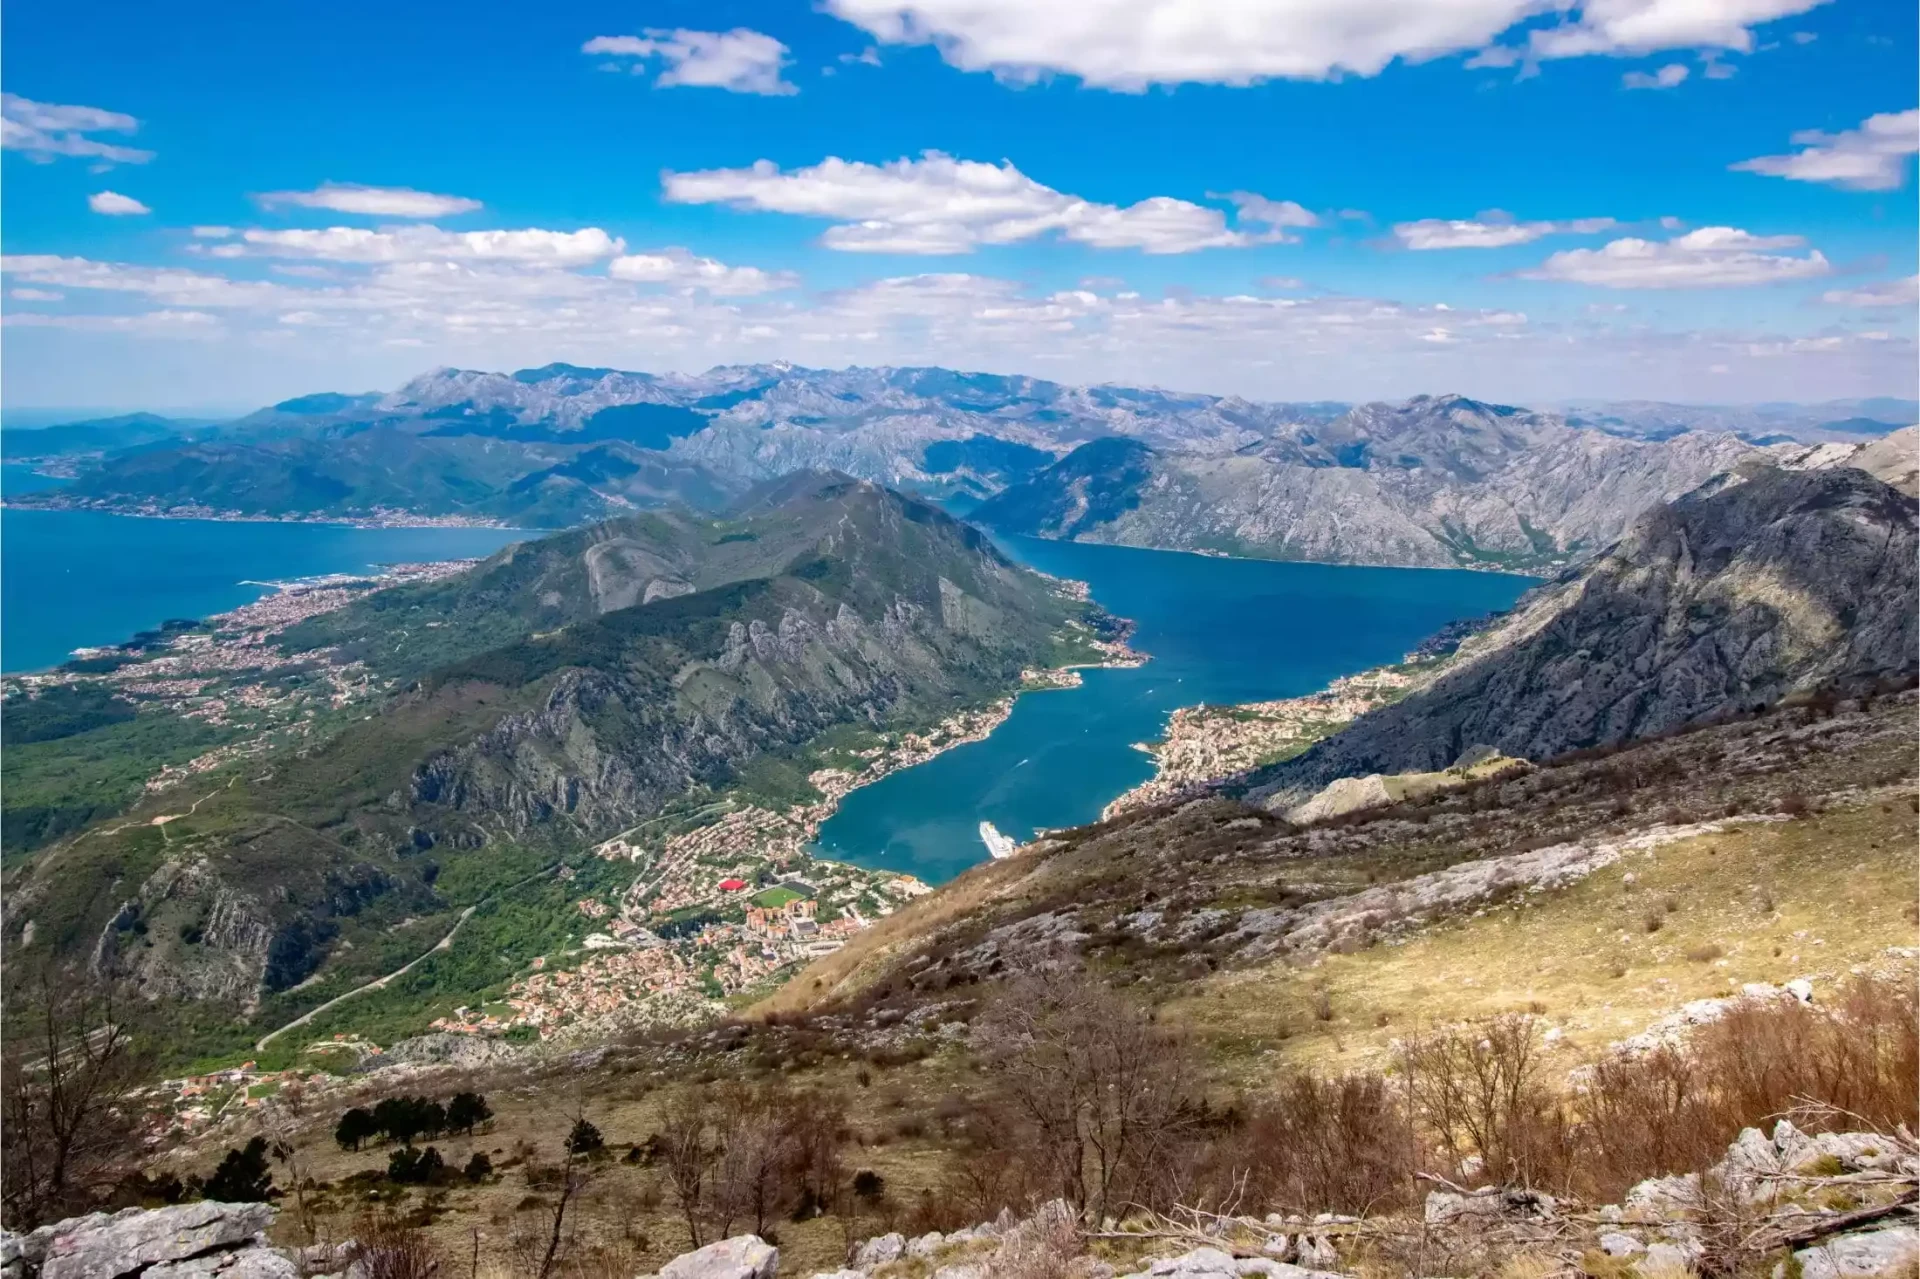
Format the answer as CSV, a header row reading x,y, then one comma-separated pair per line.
x,y
632,976
1205,746
1537,572
380,517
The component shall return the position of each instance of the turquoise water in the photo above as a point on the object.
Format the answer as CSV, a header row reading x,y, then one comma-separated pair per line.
x,y
1218,630
70,579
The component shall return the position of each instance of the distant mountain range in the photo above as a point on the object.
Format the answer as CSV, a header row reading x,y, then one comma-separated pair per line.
x,y
1435,481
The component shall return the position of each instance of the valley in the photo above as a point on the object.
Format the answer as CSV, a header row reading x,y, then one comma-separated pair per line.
x,y
672,798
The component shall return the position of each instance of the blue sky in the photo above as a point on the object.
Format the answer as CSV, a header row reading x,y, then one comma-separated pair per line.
x,y
1702,200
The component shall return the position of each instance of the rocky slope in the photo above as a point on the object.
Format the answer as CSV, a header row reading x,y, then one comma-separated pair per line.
x,y
1436,481
1894,457
560,691
1755,586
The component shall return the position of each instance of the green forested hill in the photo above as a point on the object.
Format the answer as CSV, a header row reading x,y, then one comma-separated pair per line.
x,y
552,708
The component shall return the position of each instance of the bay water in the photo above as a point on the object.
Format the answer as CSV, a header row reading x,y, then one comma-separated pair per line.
x,y
72,579
1217,630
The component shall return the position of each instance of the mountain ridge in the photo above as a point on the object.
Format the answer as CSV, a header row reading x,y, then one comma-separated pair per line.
x,y
1761,583
1433,481
517,736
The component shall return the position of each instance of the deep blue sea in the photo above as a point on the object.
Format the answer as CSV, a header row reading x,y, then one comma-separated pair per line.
x,y
1218,630
72,579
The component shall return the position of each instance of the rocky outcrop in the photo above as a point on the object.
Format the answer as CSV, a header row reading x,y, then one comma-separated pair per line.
x,y
1894,458
1753,587
1784,1184
189,1241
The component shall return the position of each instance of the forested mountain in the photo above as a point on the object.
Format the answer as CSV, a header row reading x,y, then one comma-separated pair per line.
x,y
543,700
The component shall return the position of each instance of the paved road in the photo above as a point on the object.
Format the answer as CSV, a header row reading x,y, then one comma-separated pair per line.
x,y
443,944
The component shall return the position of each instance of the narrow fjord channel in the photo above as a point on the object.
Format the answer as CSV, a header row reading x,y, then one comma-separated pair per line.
x,y
1216,630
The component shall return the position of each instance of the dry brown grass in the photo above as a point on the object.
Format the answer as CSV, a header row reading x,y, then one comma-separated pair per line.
x,y
1817,895
844,972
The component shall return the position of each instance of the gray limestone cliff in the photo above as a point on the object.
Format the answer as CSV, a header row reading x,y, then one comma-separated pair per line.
x,y
1757,585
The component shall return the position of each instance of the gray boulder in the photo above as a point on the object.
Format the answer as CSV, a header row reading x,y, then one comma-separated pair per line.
x,y
1872,1252
741,1257
104,1246
233,1263
880,1250
1214,1263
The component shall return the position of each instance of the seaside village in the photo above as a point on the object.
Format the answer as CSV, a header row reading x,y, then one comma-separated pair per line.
x,y
723,900
717,910
228,671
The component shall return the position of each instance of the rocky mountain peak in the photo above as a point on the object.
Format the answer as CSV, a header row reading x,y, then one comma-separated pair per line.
x,y
1760,583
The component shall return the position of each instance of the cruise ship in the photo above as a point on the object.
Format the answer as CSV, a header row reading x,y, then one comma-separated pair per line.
x,y
997,844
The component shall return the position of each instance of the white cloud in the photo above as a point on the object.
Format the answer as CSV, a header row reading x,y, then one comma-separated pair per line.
x,y
427,243
1260,210
1131,44
36,295
162,324
1872,157
740,61
940,205
1667,77
375,323
379,202
1711,257
1488,232
44,131
169,285
1622,27
1893,293
212,232
113,204
679,268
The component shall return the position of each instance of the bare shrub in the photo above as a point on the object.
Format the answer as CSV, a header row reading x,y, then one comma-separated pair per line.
x,y
1480,1092
1098,1095
1336,1145
1858,1055
1645,1116
742,1154
67,1120
391,1249
1853,1063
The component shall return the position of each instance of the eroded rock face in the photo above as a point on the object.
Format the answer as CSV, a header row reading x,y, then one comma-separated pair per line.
x,y
182,1242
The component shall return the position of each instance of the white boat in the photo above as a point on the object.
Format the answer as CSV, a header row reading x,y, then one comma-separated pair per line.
x,y
997,844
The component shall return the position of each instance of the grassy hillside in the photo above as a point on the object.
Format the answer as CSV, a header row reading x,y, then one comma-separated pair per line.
x,y
1171,899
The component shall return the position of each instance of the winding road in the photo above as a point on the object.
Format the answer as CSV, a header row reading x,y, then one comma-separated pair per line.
x,y
445,943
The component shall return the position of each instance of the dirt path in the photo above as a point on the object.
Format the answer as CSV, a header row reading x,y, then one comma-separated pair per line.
x,y
445,943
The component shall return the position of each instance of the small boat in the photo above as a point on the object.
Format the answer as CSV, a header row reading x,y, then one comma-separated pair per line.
x,y
999,845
